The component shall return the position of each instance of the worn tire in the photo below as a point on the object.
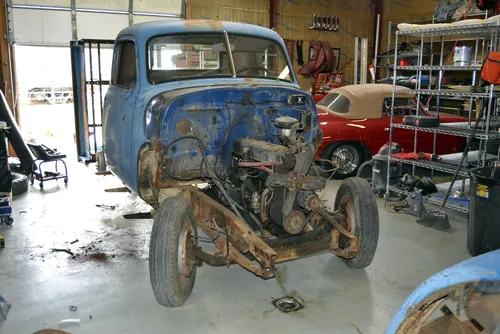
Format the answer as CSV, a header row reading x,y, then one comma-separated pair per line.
x,y
19,183
366,221
101,161
171,288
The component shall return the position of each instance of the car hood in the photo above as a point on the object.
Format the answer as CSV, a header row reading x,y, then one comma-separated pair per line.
x,y
483,271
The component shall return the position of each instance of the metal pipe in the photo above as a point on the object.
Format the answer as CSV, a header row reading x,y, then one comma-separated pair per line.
x,y
391,130
100,82
229,53
418,86
474,81
364,60
377,33
356,56
92,96
490,104
93,10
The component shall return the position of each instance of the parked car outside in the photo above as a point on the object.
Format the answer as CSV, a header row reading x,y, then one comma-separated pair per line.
x,y
50,95
356,120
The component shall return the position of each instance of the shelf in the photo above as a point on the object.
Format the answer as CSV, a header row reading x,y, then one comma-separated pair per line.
x,y
436,201
452,131
445,92
438,68
435,165
404,55
470,29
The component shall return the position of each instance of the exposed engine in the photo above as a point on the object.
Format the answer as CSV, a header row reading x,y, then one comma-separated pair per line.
x,y
273,182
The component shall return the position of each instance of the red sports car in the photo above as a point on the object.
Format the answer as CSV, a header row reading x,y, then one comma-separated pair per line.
x,y
356,119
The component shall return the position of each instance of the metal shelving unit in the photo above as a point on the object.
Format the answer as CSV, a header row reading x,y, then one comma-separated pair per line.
x,y
438,68
488,33
452,131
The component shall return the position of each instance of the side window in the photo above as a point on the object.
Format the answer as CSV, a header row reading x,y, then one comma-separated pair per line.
x,y
402,107
125,74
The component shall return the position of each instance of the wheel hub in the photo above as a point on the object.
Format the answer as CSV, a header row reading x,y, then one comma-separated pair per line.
x,y
346,208
347,159
185,249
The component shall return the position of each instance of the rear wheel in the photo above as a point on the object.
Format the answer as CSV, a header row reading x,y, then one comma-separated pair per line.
x,y
356,201
348,158
172,267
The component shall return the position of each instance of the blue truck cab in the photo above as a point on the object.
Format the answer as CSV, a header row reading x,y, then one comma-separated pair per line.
x,y
169,77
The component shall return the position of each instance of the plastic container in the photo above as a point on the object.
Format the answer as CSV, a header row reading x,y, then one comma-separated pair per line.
x,y
462,56
483,234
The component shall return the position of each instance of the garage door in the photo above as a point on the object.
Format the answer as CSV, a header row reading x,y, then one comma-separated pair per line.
x,y
56,22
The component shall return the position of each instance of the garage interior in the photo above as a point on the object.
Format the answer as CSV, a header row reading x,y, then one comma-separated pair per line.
x,y
393,177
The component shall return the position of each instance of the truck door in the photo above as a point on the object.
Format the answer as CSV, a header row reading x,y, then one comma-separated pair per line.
x,y
119,108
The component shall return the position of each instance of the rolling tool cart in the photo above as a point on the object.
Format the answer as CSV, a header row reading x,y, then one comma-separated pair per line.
x,y
44,154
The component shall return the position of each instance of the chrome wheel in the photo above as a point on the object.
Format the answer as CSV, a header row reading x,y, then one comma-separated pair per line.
x,y
347,159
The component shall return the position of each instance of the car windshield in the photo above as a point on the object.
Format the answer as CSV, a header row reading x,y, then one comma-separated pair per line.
x,y
336,102
196,56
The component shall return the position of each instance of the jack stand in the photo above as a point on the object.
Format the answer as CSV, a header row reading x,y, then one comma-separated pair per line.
x,y
417,207
4,308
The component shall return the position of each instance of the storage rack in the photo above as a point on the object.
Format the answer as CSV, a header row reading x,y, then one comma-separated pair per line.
x,y
488,32
388,67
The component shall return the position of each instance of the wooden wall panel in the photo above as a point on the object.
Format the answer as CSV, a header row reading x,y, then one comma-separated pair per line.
x,y
356,18
398,11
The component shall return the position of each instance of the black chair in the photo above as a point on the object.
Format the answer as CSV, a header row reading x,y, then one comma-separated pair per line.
x,y
45,154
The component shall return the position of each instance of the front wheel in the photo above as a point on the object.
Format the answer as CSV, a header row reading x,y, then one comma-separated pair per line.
x,y
172,267
357,202
348,158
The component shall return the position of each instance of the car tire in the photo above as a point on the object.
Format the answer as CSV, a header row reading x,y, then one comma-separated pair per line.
x,y
356,200
101,161
19,183
173,238
347,153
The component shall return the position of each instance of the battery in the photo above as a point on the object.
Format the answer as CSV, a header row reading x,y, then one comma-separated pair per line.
x,y
2,242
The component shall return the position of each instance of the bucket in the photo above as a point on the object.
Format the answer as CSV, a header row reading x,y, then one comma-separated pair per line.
x,y
462,56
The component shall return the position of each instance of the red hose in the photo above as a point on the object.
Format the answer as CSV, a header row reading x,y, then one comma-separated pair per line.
x,y
265,169
258,163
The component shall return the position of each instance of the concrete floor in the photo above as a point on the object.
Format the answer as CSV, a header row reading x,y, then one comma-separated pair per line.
x,y
109,279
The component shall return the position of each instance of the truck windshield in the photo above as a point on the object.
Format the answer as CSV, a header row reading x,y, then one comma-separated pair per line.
x,y
190,56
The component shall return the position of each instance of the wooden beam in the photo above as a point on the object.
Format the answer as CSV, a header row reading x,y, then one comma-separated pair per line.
x,y
273,14
4,55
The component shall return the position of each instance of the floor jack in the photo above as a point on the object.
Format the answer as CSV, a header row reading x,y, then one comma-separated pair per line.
x,y
4,308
